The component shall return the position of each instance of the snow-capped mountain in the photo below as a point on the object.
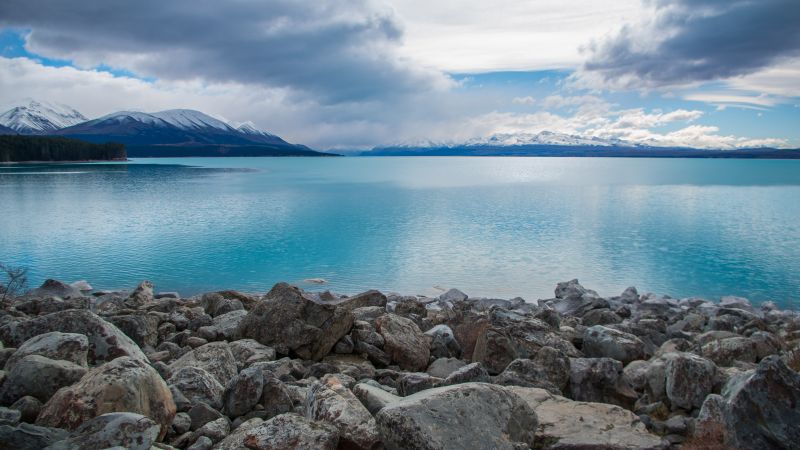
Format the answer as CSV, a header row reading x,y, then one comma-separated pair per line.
x,y
519,139
5,130
37,117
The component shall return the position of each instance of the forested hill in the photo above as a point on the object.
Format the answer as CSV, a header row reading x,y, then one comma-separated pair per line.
x,y
41,148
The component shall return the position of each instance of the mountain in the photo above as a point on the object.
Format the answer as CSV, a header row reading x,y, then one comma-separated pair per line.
x,y
36,117
182,132
5,130
549,143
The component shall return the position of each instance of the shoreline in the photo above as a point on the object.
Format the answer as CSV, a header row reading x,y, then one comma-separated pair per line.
x,y
296,369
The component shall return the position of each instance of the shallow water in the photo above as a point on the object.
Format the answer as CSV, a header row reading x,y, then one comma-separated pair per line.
x,y
490,226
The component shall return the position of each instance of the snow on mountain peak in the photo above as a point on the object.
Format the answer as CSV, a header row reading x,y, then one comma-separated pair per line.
x,y
189,119
34,117
249,127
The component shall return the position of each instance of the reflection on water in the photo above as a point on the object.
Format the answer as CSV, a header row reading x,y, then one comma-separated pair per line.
x,y
490,226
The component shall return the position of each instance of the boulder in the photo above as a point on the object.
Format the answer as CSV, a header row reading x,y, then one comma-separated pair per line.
x,y
453,295
247,352
121,429
227,324
55,288
567,424
404,342
276,397
442,367
604,342
372,397
469,415
106,341
29,437
235,440
215,430
726,352
600,380
122,385
443,343
470,373
290,320
70,347
215,358
412,382
196,385
28,407
757,409
333,403
38,377
141,295
688,379
141,327
291,432
243,392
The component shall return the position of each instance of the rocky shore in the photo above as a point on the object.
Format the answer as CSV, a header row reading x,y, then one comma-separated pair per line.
x,y
301,370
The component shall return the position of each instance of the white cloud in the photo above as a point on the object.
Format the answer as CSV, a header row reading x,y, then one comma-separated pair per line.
x,y
528,100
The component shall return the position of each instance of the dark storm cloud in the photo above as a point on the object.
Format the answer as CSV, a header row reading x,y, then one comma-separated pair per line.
x,y
698,40
336,50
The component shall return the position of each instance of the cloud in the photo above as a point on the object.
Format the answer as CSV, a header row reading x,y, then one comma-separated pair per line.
x,y
340,51
527,100
686,42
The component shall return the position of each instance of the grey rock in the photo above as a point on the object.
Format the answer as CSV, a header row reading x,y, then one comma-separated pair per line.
x,y
373,398
412,382
55,288
215,358
235,440
202,443
120,429
292,432
404,342
29,437
70,347
201,414
549,369
9,416
470,373
227,324
290,320
29,408
197,385
335,404
442,367
247,352
38,377
216,430
726,352
453,295
443,342
243,392
141,327
600,380
470,415
604,342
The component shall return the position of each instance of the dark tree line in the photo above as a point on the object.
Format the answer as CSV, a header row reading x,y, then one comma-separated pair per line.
x,y
47,148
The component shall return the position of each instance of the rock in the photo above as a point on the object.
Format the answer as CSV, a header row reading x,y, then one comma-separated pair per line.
x,y
549,369
106,341
567,424
201,414
142,295
55,288
276,397
735,302
602,316
141,327
604,342
289,320
247,352
373,398
333,403
469,415
216,430
412,382
29,408
292,432
215,358
9,416
196,385
443,342
453,295
468,374
29,437
81,285
181,423
600,380
120,429
442,367
227,324
689,379
55,345
38,377
725,352
235,440
122,385
243,392
757,409
404,342
202,443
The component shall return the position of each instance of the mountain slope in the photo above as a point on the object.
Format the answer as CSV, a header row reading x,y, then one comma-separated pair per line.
x,y
36,117
4,130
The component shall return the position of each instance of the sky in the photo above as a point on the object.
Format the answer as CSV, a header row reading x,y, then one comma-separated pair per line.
x,y
353,74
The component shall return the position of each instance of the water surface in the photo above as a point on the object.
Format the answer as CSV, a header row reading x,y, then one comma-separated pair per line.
x,y
490,226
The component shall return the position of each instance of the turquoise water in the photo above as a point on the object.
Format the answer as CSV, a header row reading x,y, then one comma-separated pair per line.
x,y
490,226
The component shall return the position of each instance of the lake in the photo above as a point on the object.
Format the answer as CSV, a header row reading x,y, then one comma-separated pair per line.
x,y
501,227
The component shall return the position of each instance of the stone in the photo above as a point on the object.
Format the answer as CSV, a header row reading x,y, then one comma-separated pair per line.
x,y
9,416
453,295
600,380
26,436
202,443
567,424
276,397
29,408
181,423
215,358
82,285
120,429
216,430
442,367
292,432
689,379
106,341
470,373
550,369
196,385
443,343
235,440
404,342
38,377
373,398
124,384
333,403
141,295
726,352
201,414
247,352
141,327
55,345
757,409
604,342
290,320
412,382
344,345
243,392
469,415
55,288
227,324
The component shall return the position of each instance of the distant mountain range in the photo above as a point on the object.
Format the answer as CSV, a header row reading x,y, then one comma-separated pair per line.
x,y
547,143
177,132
